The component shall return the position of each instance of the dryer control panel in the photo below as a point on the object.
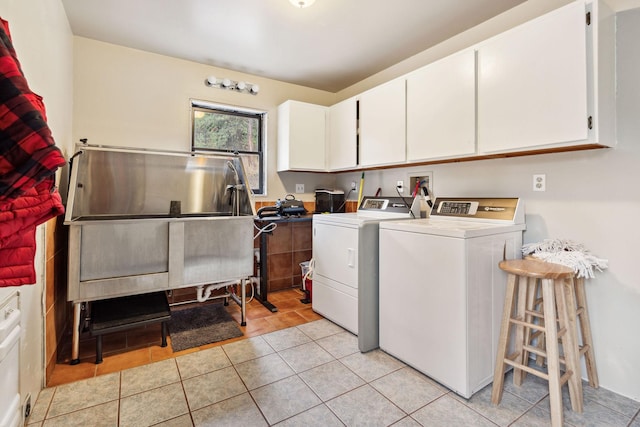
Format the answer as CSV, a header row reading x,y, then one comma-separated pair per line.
x,y
385,205
457,208
507,209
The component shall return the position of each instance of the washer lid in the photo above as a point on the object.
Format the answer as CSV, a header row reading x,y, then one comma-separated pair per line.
x,y
451,228
357,218
465,217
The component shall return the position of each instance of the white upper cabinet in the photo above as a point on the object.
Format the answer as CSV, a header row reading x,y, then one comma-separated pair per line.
x,y
342,135
545,85
441,108
532,83
383,124
301,136
535,84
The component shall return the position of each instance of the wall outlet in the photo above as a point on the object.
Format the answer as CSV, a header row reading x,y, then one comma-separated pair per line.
x,y
540,182
299,188
400,186
354,185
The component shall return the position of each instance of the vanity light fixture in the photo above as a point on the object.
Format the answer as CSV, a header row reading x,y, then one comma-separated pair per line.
x,y
302,3
229,84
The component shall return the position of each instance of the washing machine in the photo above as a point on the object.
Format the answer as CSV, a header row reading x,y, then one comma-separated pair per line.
x,y
441,291
345,275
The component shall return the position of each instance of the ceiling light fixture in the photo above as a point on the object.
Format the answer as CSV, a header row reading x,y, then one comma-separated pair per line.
x,y
229,84
302,3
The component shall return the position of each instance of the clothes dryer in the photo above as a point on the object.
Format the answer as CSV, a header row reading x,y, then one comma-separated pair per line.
x,y
345,276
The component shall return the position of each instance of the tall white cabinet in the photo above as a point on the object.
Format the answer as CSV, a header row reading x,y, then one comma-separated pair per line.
x,y
441,108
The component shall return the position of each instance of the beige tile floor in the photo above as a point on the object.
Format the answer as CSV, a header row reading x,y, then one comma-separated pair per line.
x,y
306,375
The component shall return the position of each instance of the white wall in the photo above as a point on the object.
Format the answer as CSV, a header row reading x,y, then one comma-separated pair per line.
x,y
43,43
592,198
130,98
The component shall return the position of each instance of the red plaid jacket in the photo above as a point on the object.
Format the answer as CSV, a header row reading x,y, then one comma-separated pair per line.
x,y
28,162
28,155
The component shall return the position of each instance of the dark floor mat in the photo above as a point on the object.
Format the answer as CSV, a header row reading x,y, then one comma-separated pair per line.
x,y
196,326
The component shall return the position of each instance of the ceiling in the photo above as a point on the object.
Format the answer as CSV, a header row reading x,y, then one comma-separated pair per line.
x,y
330,45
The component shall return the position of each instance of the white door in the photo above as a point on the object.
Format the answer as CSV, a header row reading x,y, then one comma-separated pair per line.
x,y
342,135
335,275
335,253
532,83
441,108
301,136
383,124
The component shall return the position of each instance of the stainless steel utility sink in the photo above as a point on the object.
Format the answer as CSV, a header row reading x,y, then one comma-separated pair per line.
x,y
145,221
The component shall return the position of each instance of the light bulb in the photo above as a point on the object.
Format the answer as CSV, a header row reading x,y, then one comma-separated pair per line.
x,y
211,81
226,82
302,3
255,89
241,86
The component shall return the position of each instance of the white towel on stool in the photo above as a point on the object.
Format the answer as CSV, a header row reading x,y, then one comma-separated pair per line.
x,y
568,253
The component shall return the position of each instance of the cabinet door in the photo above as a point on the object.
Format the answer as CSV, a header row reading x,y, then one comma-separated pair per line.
x,y
441,108
342,135
301,136
383,124
532,83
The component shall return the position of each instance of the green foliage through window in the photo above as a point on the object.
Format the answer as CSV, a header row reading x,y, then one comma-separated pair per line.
x,y
228,129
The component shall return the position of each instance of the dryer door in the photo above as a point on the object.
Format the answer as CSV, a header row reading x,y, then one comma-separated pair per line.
x,y
335,251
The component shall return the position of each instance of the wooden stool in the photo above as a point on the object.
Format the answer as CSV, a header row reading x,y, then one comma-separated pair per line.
x,y
586,347
585,340
534,302
553,317
118,314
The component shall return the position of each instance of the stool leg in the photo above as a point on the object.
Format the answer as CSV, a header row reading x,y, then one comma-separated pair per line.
x,y
522,332
538,306
164,334
534,304
98,349
585,330
498,375
553,362
566,304
531,295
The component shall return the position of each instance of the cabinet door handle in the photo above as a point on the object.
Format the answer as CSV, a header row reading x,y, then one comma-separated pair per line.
x,y
351,257
10,320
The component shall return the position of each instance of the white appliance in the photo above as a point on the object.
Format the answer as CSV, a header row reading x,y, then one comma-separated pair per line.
x,y
10,408
441,291
345,276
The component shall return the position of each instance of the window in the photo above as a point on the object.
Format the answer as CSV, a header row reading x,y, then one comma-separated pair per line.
x,y
227,129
